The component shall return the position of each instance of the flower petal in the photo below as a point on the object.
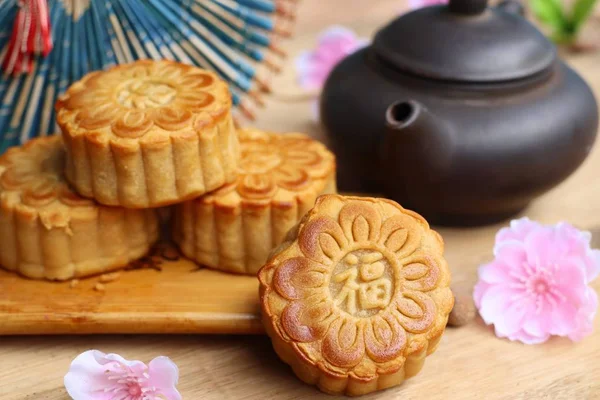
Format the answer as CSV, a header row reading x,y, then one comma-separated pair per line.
x,y
171,118
564,319
334,45
195,101
164,376
306,156
593,265
512,253
310,76
132,124
113,360
571,280
421,273
493,303
545,248
518,230
360,222
478,291
538,324
585,316
196,80
510,321
86,378
416,311
291,177
578,243
400,235
336,33
98,116
256,186
415,4
570,312
495,272
385,338
298,277
83,98
322,239
344,344
305,321
524,337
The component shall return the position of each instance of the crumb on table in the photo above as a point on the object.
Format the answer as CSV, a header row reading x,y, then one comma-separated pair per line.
x,y
110,277
170,254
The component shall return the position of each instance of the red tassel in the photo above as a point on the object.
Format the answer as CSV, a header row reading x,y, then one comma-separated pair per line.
x,y
40,38
30,35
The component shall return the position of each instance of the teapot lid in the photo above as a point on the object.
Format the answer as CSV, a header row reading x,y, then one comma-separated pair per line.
x,y
465,41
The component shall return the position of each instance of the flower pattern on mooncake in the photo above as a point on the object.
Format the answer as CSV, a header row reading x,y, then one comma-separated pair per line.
x,y
130,101
148,134
48,231
358,296
38,182
279,178
272,162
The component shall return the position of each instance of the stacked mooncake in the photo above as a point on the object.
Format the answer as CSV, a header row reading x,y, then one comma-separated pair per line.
x,y
139,137
354,291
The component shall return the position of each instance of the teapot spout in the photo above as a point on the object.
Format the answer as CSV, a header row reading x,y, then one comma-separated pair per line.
x,y
404,115
410,117
414,133
417,152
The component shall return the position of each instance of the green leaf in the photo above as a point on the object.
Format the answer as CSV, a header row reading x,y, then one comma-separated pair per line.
x,y
563,38
581,11
551,13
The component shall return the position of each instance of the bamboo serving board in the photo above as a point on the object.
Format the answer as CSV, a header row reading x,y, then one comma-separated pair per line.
x,y
159,296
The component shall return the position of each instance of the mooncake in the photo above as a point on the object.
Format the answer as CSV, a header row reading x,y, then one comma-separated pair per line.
x,y
357,296
148,134
48,231
279,178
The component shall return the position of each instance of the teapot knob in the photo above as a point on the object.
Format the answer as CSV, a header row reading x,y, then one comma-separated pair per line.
x,y
512,6
467,7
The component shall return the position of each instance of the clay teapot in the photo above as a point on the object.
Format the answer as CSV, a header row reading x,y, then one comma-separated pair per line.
x,y
462,112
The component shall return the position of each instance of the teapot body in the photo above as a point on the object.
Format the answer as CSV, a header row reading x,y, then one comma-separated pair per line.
x,y
458,153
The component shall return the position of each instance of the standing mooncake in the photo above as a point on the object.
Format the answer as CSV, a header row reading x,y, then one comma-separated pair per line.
x,y
48,231
235,228
357,296
148,134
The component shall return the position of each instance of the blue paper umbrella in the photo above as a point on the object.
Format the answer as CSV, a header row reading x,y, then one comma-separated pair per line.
x,y
236,38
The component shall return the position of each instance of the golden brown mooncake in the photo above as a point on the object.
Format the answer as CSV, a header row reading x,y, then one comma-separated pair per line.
x,y
48,231
235,228
357,296
148,134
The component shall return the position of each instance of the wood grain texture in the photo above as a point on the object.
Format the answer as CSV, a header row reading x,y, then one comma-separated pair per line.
x,y
471,363
180,298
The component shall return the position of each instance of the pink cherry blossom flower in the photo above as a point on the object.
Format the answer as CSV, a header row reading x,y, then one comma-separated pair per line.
x,y
537,284
334,44
97,376
414,4
314,66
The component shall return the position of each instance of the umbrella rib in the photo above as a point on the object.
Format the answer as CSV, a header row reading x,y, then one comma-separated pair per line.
x,y
231,37
39,86
219,46
51,85
129,32
192,39
119,35
151,42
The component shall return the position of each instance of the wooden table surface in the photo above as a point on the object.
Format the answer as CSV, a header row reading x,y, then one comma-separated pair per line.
x,y
471,363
